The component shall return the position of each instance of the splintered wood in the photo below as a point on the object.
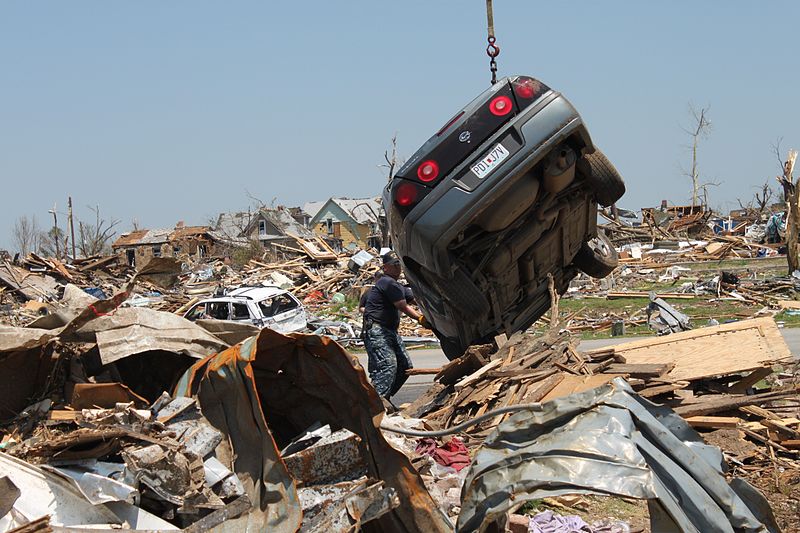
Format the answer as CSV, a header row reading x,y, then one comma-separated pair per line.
x,y
707,376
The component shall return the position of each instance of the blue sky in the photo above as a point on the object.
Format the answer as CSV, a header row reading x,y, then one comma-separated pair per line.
x,y
162,111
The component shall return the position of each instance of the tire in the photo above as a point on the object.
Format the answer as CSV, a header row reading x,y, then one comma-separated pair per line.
x,y
597,257
451,346
605,181
461,293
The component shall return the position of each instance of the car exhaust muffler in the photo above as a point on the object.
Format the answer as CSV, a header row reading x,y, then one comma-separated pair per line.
x,y
559,169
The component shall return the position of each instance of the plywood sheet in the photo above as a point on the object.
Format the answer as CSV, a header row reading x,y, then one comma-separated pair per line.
x,y
712,351
572,384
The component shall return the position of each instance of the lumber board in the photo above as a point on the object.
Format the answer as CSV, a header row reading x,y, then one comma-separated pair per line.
x,y
741,386
578,383
718,350
714,422
475,376
650,392
641,370
722,402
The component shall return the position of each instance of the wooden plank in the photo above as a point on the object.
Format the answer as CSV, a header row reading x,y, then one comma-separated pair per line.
x,y
714,422
63,415
781,428
473,359
650,392
475,376
722,402
741,386
759,412
643,370
793,444
422,371
542,389
718,350
572,384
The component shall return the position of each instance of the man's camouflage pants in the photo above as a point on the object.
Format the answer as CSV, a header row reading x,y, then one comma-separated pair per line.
x,y
388,360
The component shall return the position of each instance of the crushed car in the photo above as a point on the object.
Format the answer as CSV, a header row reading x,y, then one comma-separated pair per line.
x,y
503,195
263,307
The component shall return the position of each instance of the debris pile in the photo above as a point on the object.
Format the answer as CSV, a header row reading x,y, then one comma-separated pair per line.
x,y
327,283
130,417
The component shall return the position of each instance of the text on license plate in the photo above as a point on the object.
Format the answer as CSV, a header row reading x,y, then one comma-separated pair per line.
x,y
490,161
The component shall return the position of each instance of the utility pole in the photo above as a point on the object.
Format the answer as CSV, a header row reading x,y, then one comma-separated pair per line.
x,y
71,227
55,229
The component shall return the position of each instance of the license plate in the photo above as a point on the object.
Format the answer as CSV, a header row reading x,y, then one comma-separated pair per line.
x,y
490,161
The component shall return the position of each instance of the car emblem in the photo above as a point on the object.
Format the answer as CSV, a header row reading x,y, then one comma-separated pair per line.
x,y
464,137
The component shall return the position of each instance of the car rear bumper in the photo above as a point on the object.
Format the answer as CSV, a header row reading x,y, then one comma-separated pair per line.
x,y
435,223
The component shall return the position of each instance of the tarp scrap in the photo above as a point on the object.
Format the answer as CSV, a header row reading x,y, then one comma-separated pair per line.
x,y
291,382
609,441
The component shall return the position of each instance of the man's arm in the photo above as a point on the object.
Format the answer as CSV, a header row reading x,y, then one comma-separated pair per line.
x,y
403,306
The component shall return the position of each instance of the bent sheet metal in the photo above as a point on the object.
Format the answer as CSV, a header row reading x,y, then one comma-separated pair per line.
x,y
609,441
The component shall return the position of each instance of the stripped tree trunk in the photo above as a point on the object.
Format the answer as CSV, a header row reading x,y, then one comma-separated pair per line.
x,y
792,194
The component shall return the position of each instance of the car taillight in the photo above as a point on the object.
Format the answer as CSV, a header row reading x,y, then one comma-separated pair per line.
x,y
406,194
528,90
527,87
428,171
501,106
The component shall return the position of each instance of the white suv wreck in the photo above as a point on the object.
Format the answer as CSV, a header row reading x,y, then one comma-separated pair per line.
x,y
265,307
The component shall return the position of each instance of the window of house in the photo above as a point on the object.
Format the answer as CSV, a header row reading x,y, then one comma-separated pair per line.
x,y
176,250
262,227
202,251
157,251
329,226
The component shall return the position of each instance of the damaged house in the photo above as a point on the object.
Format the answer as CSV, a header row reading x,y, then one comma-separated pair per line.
x,y
354,222
139,246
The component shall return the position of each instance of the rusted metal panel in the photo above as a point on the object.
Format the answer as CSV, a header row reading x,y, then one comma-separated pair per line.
x,y
105,395
290,382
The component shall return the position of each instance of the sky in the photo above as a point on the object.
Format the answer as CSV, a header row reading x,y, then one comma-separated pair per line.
x,y
164,111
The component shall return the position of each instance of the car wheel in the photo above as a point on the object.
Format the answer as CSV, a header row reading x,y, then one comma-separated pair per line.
x,y
603,178
597,257
461,293
451,346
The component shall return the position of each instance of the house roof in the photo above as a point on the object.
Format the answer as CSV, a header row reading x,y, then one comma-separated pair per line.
x,y
130,238
312,208
188,232
283,221
361,210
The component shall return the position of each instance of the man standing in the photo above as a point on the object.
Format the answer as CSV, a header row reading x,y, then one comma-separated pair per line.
x,y
388,358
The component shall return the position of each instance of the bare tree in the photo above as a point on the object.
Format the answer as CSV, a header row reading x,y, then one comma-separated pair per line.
x,y
700,129
759,203
96,238
26,234
392,161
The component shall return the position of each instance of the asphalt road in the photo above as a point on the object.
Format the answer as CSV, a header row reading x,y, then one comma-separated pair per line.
x,y
434,358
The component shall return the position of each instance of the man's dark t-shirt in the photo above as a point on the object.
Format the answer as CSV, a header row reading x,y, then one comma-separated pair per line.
x,y
380,303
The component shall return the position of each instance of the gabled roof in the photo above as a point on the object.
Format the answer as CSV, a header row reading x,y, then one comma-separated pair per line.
x,y
361,210
312,208
281,218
